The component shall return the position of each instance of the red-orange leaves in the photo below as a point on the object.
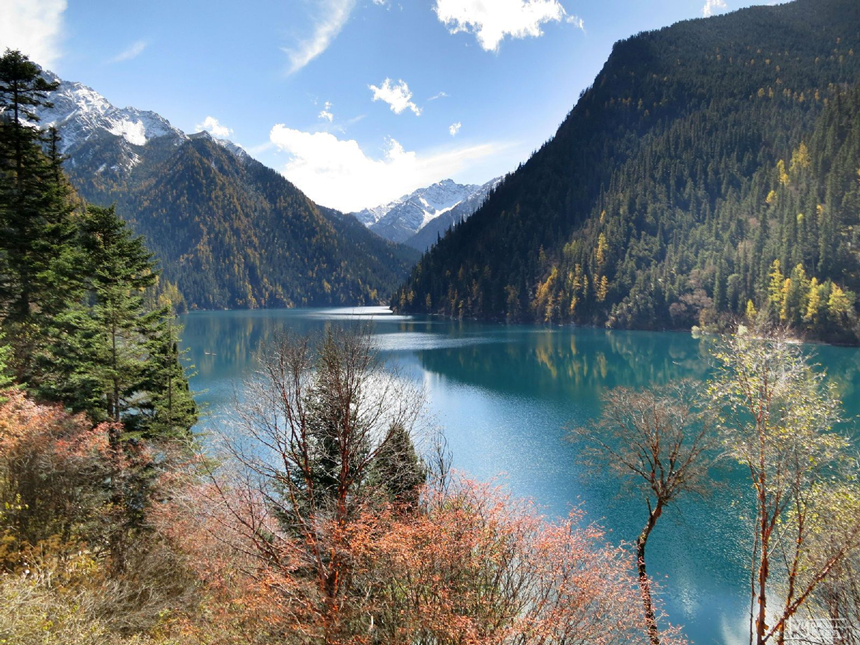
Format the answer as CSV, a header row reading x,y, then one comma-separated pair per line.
x,y
469,566
477,567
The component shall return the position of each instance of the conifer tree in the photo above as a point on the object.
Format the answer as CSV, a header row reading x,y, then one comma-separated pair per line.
x,y
170,411
398,469
113,357
35,214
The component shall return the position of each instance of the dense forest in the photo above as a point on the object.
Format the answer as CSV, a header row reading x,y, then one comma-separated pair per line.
x,y
230,232
709,174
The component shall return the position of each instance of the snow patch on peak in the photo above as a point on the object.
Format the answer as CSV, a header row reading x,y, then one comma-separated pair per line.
x,y
79,112
233,148
401,219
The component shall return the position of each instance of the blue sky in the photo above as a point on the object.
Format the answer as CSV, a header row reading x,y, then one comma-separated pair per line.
x,y
356,101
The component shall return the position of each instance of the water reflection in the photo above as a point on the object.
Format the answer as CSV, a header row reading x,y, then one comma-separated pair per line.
x,y
505,396
577,362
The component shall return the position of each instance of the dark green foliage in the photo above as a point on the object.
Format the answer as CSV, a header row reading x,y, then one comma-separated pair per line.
x,y
231,233
36,225
397,470
170,409
112,356
674,183
5,355
74,286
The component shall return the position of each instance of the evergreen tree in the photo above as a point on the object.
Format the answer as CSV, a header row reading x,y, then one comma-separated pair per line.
x,y
112,356
36,223
397,468
170,410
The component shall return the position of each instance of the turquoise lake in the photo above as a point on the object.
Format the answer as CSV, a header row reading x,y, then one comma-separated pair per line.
x,y
504,396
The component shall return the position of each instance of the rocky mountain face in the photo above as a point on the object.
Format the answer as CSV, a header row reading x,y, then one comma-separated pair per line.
x,y
436,228
439,205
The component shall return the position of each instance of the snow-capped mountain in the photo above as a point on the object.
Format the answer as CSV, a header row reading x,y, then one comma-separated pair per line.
x,y
401,219
234,148
430,232
228,231
80,112
87,121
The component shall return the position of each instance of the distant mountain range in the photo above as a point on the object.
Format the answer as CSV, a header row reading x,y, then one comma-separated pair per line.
x,y
419,218
709,174
228,231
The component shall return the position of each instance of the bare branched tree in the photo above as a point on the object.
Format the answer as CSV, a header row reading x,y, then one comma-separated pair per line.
x,y
662,443
324,432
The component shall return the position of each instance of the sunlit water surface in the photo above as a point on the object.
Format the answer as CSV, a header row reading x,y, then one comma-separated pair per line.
x,y
504,396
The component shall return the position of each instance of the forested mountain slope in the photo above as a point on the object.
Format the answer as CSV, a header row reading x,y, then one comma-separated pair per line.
x,y
229,232
702,153
232,233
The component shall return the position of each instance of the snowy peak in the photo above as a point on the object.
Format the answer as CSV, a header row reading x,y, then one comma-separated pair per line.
x,y
432,230
234,148
401,219
79,112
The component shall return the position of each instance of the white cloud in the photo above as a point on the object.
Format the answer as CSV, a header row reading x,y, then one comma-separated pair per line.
x,y
214,127
713,7
492,21
440,95
34,27
337,173
397,95
455,128
332,16
326,112
577,22
135,50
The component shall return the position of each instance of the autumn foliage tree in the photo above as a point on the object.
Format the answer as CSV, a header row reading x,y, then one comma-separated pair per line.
x,y
321,422
469,565
475,566
324,527
779,419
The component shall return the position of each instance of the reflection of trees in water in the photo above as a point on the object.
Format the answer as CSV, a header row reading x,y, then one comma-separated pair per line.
x,y
843,368
226,343
565,361
523,360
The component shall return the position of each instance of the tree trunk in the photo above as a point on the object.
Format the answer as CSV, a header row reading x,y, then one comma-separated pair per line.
x,y
644,583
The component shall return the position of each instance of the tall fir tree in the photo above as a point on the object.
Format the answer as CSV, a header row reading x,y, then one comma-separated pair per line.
x,y
37,227
113,357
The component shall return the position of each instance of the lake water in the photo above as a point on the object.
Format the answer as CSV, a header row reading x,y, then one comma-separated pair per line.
x,y
504,396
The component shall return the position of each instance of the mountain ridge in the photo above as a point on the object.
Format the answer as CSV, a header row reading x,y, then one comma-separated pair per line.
x,y
437,206
229,232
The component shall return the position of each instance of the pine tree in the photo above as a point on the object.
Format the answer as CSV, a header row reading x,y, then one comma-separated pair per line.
x,y
112,356
170,410
36,224
398,469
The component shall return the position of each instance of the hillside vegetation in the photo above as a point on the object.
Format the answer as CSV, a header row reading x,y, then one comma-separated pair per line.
x,y
703,153
231,233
